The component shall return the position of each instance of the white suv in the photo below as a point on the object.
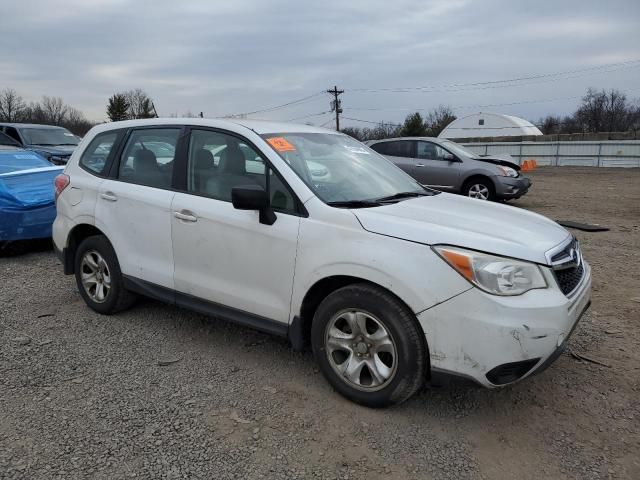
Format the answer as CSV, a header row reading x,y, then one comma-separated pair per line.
x,y
390,283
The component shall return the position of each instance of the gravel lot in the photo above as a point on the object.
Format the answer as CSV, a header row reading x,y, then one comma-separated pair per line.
x,y
158,392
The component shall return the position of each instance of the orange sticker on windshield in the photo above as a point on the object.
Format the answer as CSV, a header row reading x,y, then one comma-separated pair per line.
x,y
281,144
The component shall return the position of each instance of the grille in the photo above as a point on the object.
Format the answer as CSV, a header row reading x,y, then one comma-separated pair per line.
x,y
569,278
567,266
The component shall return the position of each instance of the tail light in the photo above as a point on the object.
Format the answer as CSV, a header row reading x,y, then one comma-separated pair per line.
x,y
61,182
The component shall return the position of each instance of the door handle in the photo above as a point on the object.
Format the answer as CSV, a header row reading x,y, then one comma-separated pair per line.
x,y
109,196
419,164
185,215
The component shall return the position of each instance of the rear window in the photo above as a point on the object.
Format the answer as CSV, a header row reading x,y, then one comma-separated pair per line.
x,y
94,159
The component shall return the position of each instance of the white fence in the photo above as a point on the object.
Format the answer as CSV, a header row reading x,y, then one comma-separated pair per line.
x,y
605,153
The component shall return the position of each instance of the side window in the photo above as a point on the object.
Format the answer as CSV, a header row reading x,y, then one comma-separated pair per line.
x,y
400,148
148,157
426,151
94,158
218,162
430,151
381,148
13,133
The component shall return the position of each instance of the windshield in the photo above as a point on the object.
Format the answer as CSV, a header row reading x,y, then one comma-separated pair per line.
x,y
458,149
340,170
49,136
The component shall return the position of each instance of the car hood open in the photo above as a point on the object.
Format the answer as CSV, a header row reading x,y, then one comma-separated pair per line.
x,y
499,161
464,222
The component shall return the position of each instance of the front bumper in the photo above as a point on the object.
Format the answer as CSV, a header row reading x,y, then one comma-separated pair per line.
x,y
512,188
497,340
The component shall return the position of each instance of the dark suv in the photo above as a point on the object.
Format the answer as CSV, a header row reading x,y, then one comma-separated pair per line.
x,y
56,144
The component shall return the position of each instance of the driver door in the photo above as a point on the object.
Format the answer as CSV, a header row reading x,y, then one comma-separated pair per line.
x,y
225,256
433,170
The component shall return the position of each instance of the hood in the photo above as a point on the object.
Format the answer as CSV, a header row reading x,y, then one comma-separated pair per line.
x,y
504,160
61,150
465,222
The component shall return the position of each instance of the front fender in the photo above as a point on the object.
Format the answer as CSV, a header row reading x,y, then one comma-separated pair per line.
x,y
409,270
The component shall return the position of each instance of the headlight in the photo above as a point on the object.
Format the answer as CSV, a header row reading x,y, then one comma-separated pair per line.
x,y
493,274
507,171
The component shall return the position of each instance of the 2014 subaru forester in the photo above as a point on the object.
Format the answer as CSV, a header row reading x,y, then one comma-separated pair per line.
x,y
389,282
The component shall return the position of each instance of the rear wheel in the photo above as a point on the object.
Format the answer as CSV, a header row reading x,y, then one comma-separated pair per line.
x,y
479,188
99,277
369,345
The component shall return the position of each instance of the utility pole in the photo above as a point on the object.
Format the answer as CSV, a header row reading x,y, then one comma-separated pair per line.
x,y
336,104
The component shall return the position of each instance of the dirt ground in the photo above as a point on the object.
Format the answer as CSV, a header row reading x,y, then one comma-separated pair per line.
x,y
160,392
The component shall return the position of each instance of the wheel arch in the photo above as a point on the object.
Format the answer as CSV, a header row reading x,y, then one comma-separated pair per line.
x,y
75,237
475,177
300,329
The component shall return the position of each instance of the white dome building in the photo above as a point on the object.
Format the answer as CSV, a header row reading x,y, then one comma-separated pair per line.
x,y
489,125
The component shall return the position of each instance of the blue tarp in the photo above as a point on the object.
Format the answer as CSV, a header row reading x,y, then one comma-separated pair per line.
x,y
27,205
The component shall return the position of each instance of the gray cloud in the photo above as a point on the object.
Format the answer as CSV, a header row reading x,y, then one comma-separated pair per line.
x,y
226,57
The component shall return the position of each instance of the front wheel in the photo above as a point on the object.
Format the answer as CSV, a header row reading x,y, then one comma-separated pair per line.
x,y
369,346
481,189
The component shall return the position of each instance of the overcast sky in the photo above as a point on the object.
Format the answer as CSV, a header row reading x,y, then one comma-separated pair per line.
x,y
224,57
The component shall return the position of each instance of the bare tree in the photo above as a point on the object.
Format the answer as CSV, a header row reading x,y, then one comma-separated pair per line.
x,y
140,104
54,110
76,122
437,119
550,125
12,106
605,111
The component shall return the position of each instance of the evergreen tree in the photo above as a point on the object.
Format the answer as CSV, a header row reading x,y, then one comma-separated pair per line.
x,y
414,126
118,107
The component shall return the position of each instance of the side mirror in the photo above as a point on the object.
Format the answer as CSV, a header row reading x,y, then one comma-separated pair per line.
x,y
253,197
450,157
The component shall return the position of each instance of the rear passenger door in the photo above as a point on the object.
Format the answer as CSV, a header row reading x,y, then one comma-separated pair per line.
x,y
133,205
400,152
224,256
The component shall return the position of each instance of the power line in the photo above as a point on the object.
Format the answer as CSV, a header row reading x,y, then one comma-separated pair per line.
x,y
512,82
369,121
461,107
326,123
308,116
277,107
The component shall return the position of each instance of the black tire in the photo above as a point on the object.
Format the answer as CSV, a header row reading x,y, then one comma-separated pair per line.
x,y
480,181
412,353
117,298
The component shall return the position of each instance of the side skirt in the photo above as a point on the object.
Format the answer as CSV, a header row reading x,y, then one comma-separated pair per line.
x,y
206,307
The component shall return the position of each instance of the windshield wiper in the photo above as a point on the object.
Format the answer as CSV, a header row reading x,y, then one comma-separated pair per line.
x,y
354,203
402,196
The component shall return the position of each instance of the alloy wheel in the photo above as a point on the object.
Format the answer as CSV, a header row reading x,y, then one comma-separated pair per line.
x,y
95,276
361,350
479,191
